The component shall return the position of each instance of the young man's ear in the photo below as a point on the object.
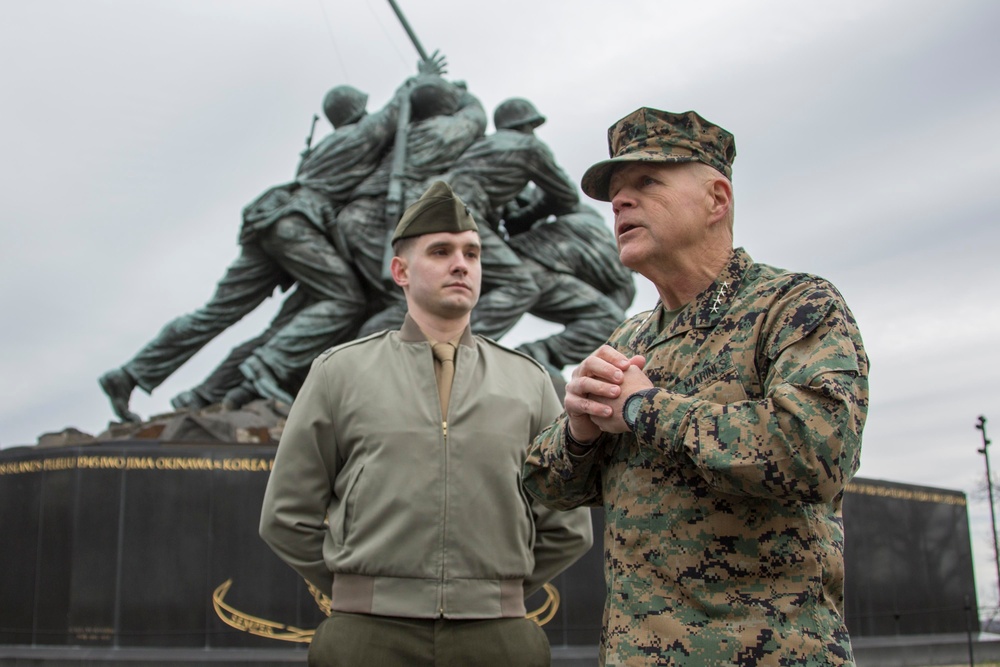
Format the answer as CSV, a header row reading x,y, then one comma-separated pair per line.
x,y
398,268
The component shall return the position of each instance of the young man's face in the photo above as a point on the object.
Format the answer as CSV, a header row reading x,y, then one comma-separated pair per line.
x,y
441,274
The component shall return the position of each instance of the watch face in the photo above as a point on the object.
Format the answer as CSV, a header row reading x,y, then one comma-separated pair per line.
x,y
631,411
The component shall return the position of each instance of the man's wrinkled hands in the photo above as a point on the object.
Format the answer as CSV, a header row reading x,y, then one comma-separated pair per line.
x,y
599,387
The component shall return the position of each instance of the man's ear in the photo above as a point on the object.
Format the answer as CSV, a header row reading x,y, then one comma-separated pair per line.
x,y
720,199
400,275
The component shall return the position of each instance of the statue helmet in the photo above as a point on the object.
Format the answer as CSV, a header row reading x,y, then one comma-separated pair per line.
x,y
344,105
516,112
433,96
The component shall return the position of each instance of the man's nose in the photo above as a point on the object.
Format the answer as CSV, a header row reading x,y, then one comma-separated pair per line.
x,y
621,200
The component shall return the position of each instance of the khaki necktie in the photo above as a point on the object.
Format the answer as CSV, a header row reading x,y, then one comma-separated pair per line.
x,y
445,371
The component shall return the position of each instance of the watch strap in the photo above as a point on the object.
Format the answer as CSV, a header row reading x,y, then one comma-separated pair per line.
x,y
570,440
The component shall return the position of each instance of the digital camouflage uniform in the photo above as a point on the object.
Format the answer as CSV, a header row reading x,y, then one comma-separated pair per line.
x,y
724,539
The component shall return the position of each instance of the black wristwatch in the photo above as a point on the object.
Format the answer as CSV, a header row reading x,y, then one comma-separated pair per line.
x,y
630,409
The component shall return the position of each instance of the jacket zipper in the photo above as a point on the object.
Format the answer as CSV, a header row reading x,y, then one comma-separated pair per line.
x,y
444,528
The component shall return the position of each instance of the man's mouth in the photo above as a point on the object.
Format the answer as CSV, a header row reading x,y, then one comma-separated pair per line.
x,y
626,227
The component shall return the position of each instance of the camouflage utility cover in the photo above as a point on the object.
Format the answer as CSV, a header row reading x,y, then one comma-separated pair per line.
x,y
651,135
724,538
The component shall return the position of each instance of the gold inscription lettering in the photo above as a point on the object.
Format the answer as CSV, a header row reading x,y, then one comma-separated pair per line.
x,y
907,494
63,463
18,467
139,463
253,624
247,465
108,462
183,464
101,462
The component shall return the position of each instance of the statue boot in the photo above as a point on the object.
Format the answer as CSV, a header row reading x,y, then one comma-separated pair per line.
x,y
264,381
118,385
241,395
189,400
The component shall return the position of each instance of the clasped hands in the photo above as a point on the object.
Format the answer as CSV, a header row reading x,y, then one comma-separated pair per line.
x,y
597,391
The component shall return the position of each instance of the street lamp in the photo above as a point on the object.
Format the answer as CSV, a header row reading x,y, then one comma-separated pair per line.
x,y
989,487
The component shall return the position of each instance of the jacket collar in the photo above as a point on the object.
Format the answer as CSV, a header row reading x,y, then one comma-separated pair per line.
x,y
411,332
705,311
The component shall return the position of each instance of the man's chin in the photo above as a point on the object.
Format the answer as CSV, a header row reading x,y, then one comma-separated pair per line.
x,y
630,260
456,308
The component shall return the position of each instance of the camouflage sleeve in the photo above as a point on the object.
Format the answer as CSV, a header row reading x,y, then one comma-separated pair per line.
x,y
802,440
558,479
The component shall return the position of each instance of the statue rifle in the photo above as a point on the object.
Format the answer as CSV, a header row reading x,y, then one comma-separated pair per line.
x,y
394,196
309,139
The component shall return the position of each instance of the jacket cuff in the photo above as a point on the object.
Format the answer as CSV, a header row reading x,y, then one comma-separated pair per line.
x,y
586,448
663,418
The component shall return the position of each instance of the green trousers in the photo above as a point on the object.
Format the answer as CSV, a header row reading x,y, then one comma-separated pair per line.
x,y
354,640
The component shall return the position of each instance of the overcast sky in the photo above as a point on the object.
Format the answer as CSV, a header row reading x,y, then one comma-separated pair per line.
x,y
133,133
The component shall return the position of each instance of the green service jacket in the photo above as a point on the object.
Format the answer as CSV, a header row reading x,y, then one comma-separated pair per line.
x,y
396,510
724,536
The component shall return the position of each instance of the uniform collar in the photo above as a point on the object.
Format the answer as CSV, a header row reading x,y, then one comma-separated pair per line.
x,y
713,303
706,310
411,332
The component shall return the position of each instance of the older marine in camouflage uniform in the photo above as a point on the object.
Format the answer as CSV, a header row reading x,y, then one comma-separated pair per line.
x,y
718,430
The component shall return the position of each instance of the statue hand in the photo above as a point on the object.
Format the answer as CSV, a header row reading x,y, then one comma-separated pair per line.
x,y
436,64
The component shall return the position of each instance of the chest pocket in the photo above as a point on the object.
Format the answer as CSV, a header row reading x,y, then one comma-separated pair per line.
x,y
716,380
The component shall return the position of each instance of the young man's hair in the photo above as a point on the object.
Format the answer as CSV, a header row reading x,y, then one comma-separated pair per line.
x,y
402,246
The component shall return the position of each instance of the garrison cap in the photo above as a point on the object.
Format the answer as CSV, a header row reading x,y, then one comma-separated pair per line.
x,y
438,210
651,135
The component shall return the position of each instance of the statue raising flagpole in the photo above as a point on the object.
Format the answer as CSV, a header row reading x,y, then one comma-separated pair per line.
x,y
323,238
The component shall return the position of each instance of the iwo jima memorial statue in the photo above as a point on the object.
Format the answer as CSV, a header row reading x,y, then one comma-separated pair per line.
x,y
147,534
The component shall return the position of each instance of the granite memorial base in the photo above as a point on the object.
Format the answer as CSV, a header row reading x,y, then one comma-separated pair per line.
x,y
139,552
140,547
